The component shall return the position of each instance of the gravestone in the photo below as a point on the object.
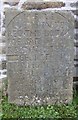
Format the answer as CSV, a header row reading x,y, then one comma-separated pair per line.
x,y
39,56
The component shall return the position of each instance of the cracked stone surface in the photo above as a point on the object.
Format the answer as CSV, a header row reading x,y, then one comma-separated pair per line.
x,y
39,56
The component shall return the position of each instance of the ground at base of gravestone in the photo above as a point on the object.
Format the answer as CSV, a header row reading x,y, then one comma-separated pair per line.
x,y
0,104
11,111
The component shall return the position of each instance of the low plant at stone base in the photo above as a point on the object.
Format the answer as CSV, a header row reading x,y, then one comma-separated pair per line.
x,y
4,87
37,113
1,104
1,114
50,111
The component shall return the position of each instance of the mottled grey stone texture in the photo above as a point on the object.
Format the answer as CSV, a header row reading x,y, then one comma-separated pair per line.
x,y
39,56
42,5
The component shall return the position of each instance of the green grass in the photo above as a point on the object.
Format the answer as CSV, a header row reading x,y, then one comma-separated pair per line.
x,y
50,111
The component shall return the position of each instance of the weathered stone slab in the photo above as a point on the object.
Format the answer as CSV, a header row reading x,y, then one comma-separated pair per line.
x,y
11,2
42,5
39,56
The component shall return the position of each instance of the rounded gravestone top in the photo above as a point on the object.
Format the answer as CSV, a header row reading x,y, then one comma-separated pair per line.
x,y
41,5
